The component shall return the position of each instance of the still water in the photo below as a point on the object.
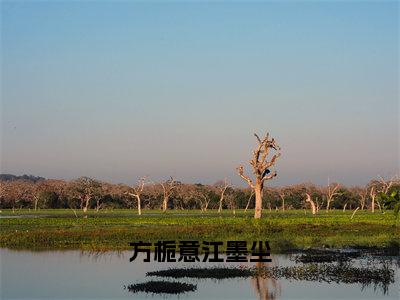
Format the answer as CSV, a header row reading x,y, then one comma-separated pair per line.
x,y
80,275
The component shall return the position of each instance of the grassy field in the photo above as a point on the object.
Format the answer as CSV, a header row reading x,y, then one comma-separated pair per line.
x,y
113,230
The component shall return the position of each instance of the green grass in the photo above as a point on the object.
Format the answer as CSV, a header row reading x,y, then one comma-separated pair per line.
x,y
113,230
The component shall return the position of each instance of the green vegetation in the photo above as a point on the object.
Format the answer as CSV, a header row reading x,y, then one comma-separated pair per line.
x,y
114,229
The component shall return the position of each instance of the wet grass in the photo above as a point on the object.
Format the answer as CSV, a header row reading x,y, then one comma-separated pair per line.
x,y
339,273
389,252
380,277
162,287
114,230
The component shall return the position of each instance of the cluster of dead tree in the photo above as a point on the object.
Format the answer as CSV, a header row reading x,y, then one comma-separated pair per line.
x,y
86,193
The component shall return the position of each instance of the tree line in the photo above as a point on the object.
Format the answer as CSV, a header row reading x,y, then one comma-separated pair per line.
x,y
87,193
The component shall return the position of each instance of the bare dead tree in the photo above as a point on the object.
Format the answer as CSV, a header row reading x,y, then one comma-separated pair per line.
x,y
231,202
362,193
313,207
168,187
261,169
386,184
331,192
379,186
317,204
372,194
137,192
202,194
282,194
222,187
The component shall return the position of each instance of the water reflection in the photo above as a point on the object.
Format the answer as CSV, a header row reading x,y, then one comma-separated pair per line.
x,y
97,274
267,288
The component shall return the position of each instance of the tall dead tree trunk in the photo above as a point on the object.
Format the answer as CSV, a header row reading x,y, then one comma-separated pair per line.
x,y
330,193
87,201
137,192
261,169
222,188
372,193
313,207
168,187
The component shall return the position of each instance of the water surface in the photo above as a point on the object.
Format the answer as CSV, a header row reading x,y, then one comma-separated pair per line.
x,y
83,275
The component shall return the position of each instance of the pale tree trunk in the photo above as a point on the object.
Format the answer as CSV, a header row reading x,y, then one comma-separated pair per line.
x,y
98,205
221,199
223,188
331,192
372,194
87,200
258,203
248,202
139,205
313,209
344,207
36,202
137,191
168,187
354,212
317,205
165,204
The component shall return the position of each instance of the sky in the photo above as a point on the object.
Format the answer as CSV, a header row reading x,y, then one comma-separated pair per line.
x,y
120,89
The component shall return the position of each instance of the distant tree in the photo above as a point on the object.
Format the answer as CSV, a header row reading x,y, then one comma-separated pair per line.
x,y
221,186
168,187
330,192
17,193
137,192
10,177
86,189
312,204
261,169
379,186
204,195
362,193
391,201
47,198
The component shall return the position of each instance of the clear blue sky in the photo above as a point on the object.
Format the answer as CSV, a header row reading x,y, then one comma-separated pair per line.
x,y
116,90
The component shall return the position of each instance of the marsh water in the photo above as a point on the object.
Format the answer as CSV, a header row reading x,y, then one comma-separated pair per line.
x,y
84,275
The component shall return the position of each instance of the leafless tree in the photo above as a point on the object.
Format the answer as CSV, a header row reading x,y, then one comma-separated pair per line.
x,y
313,207
362,193
372,194
168,187
261,169
380,186
202,195
283,192
222,187
331,192
231,202
137,192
